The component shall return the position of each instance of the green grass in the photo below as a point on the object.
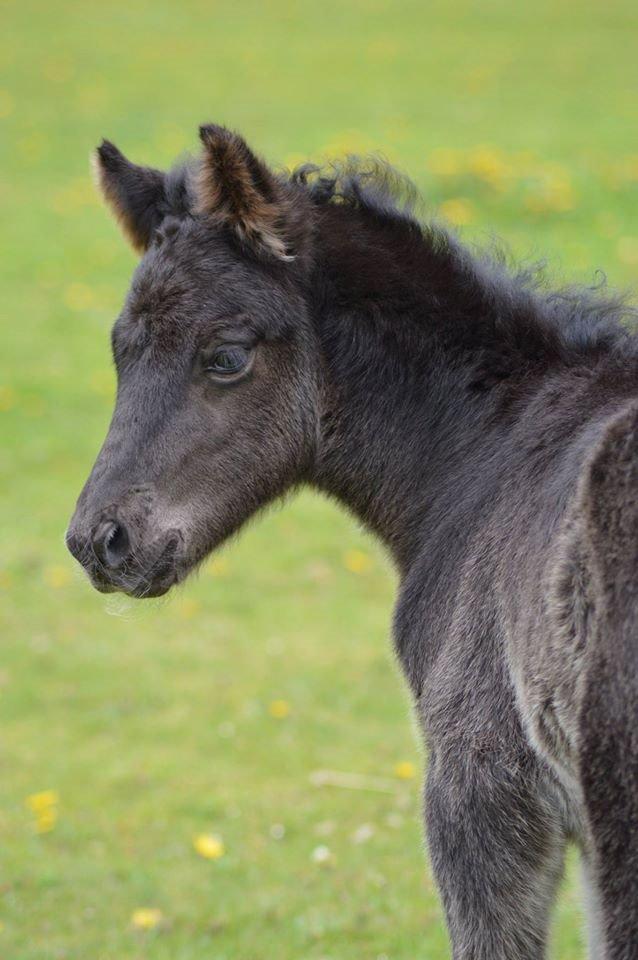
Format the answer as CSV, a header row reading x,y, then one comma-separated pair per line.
x,y
152,722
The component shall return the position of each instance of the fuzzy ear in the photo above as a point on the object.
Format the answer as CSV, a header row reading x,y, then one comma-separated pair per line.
x,y
237,189
136,195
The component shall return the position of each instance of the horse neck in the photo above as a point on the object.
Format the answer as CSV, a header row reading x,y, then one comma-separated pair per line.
x,y
396,396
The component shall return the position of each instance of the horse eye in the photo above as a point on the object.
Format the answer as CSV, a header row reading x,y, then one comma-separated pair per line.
x,y
228,361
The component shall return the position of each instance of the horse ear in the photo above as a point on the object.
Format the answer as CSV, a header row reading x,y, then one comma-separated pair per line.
x,y
238,190
136,195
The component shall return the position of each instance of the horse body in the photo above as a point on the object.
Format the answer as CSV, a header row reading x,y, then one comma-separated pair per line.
x,y
282,332
493,624
503,664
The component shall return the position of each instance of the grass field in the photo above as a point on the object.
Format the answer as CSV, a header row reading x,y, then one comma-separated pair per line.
x,y
129,733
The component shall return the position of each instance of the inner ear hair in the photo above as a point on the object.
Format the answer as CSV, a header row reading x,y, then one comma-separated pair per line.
x,y
236,189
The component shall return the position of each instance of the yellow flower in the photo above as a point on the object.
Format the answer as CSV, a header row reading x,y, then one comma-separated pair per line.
x,y
217,567
78,296
554,191
44,806
146,918
405,770
42,801
356,561
46,820
488,165
57,576
209,846
187,607
279,709
457,210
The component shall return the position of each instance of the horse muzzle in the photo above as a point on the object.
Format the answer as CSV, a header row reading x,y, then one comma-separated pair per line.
x,y
119,555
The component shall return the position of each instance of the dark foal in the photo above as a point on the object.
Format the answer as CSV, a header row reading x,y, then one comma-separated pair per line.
x,y
308,330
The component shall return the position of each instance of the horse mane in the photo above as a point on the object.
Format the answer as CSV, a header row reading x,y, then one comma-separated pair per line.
x,y
367,183
588,316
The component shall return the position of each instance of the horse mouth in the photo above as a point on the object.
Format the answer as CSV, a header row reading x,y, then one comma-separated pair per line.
x,y
142,582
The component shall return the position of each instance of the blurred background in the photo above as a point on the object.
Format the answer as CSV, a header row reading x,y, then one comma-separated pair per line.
x,y
233,772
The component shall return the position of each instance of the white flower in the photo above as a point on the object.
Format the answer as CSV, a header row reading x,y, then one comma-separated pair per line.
x,y
321,854
363,833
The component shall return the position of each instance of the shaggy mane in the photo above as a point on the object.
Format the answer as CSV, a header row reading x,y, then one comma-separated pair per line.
x,y
369,183
586,315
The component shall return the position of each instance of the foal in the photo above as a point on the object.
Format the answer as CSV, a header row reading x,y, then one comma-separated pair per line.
x,y
306,329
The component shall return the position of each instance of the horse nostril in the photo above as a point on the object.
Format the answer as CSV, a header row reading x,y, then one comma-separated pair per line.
x,y
111,544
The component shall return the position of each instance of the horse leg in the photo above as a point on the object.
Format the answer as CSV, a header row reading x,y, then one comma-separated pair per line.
x,y
497,846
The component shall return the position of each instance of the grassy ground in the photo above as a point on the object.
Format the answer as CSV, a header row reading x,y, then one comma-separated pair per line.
x,y
208,714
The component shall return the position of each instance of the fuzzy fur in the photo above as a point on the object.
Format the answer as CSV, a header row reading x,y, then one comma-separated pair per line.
x,y
483,425
236,189
135,194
